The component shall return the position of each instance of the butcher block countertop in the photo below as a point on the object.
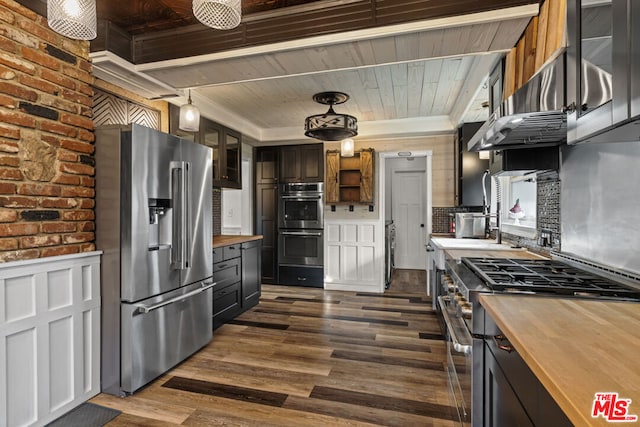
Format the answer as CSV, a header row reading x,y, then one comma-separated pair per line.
x,y
226,240
575,347
486,253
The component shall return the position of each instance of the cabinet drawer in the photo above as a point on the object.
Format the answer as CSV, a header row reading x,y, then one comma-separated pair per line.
x,y
302,276
217,255
226,303
227,272
229,252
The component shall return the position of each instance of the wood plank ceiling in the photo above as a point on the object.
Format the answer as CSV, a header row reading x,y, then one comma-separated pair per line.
x,y
401,61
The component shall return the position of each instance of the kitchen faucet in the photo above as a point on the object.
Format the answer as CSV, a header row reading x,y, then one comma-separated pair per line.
x,y
486,207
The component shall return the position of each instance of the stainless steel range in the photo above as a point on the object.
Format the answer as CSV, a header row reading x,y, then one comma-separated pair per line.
x,y
468,327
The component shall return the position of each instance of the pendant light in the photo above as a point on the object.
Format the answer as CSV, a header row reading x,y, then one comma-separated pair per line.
x,y
331,126
75,19
218,14
189,117
347,148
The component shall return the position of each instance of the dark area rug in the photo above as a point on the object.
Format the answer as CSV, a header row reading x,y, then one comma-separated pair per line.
x,y
86,415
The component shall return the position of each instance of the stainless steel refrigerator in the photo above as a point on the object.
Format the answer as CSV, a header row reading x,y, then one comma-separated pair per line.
x,y
154,226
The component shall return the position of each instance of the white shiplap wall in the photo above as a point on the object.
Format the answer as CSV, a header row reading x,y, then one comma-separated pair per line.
x,y
49,337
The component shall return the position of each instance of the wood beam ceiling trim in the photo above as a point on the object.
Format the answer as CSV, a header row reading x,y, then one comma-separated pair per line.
x,y
199,40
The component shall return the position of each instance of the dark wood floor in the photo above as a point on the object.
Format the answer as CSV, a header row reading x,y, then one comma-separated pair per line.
x,y
307,357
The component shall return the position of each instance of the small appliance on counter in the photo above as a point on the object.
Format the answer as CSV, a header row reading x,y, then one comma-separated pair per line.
x,y
469,225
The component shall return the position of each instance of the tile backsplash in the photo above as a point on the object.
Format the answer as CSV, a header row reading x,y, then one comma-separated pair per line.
x,y
217,211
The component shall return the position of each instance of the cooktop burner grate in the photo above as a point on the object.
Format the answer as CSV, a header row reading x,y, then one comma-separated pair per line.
x,y
545,276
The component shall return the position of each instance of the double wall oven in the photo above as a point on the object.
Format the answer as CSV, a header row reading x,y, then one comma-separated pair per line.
x,y
471,333
300,234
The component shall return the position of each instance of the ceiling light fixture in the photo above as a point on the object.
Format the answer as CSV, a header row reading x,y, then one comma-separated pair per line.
x,y
189,117
75,19
347,147
218,14
331,126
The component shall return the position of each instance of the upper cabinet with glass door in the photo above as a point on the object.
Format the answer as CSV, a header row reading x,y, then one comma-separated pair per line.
x,y
603,57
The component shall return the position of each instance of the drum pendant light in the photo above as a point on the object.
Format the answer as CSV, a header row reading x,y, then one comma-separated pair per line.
x,y
218,14
75,19
331,126
189,117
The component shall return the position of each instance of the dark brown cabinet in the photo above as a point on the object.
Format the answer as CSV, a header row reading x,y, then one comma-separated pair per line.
x,y
226,144
301,163
266,209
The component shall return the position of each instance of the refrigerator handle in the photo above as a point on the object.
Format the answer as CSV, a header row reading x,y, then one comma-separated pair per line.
x,y
178,248
187,226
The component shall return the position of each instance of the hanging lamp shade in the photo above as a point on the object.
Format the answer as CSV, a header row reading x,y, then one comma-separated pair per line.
x,y
75,19
347,147
331,126
218,14
189,117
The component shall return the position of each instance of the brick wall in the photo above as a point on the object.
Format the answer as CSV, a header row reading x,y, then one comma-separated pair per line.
x,y
46,139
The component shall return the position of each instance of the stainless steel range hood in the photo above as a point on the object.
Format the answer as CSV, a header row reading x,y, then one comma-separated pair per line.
x,y
533,116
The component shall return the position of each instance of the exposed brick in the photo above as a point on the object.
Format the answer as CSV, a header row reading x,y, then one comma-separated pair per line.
x,y
60,54
86,89
9,161
78,215
86,181
87,226
9,256
87,160
80,121
77,238
67,156
17,118
18,91
78,74
36,83
8,244
78,192
57,103
7,17
21,10
73,145
80,48
87,204
85,135
18,229
18,202
8,131
57,78
7,73
59,250
37,30
87,247
76,168
8,215
65,179
62,203
76,97
39,241
7,188
8,146
11,173
37,110
19,36
58,227
40,215
85,65
7,102
51,140
29,189
6,45
40,58
58,128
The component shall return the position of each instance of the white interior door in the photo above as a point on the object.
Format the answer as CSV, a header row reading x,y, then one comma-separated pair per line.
x,y
407,200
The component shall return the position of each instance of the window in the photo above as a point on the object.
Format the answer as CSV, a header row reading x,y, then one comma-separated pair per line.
x,y
519,205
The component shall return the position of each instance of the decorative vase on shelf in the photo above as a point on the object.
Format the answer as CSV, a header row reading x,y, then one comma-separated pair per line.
x,y
516,212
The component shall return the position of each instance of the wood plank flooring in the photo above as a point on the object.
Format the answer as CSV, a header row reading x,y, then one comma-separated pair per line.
x,y
308,357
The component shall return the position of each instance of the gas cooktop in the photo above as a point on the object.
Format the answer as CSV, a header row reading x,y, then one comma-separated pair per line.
x,y
546,276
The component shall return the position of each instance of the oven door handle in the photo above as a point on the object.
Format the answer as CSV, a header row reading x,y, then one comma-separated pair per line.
x,y
302,198
460,348
300,233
